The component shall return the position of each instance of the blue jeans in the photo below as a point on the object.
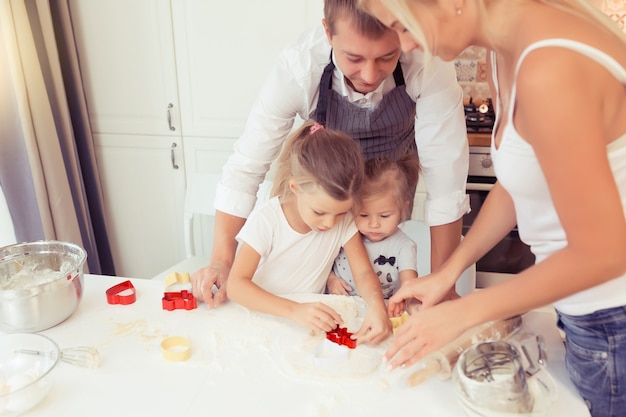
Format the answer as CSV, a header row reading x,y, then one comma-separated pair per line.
x,y
596,359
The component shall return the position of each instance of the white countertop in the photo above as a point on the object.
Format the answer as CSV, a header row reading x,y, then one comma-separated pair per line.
x,y
134,379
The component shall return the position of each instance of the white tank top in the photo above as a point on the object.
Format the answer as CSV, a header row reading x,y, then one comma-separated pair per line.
x,y
537,219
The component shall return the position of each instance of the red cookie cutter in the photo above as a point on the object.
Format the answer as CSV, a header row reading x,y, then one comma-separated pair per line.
x,y
179,300
115,296
341,336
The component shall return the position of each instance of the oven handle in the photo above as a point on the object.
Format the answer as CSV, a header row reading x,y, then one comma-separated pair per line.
x,y
473,186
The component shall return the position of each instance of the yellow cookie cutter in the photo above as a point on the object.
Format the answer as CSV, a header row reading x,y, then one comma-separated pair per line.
x,y
177,278
176,348
398,321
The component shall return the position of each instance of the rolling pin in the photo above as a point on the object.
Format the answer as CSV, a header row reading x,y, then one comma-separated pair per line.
x,y
442,361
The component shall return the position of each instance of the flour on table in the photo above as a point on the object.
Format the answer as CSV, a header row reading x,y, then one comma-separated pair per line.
x,y
302,359
311,355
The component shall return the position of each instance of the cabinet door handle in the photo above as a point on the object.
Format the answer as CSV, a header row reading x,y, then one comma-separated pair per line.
x,y
478,187
173,155
169,117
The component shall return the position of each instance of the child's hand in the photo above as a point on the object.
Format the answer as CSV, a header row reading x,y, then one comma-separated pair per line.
x,y
412,306
338,286
427,291
376,327
396,310
316,316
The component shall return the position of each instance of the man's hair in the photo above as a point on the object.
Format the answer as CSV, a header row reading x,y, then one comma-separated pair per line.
x,y
364,23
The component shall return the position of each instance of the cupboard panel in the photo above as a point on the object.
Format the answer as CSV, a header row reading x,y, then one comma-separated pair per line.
x,y
225,54
127,60
143,201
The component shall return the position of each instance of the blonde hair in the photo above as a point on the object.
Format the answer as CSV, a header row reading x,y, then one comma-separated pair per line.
x,y
314,156
405,11
384,176
402,10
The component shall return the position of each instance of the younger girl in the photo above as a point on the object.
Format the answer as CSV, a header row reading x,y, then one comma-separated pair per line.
x,y
385,201
288,245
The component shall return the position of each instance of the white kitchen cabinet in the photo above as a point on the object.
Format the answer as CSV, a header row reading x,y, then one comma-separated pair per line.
x,y
127,61
143,195
224,54
128,67
159,74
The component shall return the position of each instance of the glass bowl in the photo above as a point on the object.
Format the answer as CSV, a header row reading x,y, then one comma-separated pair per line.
x,y
26,361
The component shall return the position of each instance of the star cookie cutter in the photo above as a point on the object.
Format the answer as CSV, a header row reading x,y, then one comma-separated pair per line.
x,y
341,336
398,321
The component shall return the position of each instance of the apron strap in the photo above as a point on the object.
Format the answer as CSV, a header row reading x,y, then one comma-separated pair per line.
x,y
398,75
326,85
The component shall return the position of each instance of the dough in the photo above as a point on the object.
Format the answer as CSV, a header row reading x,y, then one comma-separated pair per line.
x,y
313,356
310,358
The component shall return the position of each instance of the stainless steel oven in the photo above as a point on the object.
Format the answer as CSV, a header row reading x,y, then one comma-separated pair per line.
x,y
510,255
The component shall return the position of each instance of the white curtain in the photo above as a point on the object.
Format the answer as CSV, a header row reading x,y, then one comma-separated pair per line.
x,y
47,153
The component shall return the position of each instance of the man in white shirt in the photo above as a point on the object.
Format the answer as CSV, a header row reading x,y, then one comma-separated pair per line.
x,y
349,74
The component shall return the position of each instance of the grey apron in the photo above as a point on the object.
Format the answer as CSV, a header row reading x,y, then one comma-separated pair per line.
x,y
388,130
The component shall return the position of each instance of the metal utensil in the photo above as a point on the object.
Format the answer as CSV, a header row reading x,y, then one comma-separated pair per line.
x,y
442,361
83,356
535,366
491,375
41,284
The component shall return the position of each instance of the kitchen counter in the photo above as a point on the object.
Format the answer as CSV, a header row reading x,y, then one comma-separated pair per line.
x,y
479,139
234,370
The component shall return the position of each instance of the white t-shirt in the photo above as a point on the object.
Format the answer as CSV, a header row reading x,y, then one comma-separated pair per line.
x,y
292,90
389,257
519,172
292,262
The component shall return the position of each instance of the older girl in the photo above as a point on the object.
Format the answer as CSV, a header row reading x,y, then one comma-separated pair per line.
x,y
558,71
288,245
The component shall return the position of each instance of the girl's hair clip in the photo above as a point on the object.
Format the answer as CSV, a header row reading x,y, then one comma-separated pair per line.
x,y
316,126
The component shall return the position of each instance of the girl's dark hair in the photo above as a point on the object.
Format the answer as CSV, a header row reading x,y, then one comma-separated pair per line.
x,y
364,23
326,158
383,175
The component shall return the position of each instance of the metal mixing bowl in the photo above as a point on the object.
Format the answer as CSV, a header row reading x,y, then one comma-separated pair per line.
x,y
41,284
26,360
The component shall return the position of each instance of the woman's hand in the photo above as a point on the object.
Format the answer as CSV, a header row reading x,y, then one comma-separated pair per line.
x,y
338,286
316,316
428,290
424,332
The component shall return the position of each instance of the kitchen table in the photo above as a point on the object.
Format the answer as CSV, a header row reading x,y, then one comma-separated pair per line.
x,y
247,378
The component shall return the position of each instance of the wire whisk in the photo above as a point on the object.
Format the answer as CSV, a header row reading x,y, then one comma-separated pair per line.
x,y
83,356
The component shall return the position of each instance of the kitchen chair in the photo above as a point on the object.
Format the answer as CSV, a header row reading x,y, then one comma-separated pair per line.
x,y
199,218
199,196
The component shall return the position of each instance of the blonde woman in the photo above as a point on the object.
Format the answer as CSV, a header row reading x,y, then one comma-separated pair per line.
x,y
558,72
